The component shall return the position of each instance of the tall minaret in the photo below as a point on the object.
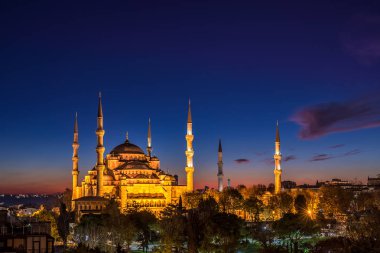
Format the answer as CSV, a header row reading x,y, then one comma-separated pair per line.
x,y
149,144
75,159
189,152
100,149
220,167
277,163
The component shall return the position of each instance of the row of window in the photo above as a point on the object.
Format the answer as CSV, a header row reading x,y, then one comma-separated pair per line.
x,y
90,207
147,203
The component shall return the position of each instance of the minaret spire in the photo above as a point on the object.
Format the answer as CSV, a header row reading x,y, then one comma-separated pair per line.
x,y
277,133
189,152
220,167
277,162
100,149
100,109
149,140
75,159
76,124
189,119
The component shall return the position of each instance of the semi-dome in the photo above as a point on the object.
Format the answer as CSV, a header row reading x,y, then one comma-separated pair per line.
x,y
108,175
108,178
127,148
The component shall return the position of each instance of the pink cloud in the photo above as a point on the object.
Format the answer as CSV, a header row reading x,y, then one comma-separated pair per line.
x,y
319,120
321,157
289,158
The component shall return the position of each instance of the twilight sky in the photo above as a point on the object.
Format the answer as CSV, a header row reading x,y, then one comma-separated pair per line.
x,y
313,65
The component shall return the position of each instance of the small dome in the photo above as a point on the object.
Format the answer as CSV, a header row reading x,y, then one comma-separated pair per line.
x,y
108,178
127,148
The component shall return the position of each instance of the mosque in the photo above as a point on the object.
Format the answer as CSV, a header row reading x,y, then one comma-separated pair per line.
x,y
128,175
133,178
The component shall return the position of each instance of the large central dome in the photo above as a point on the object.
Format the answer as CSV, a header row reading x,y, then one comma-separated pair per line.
x,y
127,148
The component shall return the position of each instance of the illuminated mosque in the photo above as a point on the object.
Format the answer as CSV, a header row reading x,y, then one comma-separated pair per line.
x,y
128,175
133,178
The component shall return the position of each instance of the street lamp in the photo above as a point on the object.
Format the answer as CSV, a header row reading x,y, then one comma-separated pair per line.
x,y
309,212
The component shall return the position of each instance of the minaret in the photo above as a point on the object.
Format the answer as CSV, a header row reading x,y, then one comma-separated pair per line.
x,y
75,159
220,167
189,152
100,149
277,163
149,144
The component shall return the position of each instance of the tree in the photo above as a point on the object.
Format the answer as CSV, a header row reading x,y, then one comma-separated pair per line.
x,y
260,189
192,199
225,229
300,204
285,203
63,224
363,228
333,244
66,198
47,216
334,201
91,231
197,222
264,234
128,232
230,200
110,230
113,224
173,228
270,188
244,191
253,206
143,221
271,210
293,227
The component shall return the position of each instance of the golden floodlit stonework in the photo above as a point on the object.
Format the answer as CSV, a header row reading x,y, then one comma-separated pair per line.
x,y
128,175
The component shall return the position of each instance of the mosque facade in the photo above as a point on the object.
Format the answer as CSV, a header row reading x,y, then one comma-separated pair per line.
x,y
128,175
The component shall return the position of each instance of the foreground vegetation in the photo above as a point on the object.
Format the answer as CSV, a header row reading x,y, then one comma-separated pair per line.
x,y
237,220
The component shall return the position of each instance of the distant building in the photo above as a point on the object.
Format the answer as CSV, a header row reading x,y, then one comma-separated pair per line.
x,y
288,184
308,186
344,184
29,211
338,182
32,237
374,181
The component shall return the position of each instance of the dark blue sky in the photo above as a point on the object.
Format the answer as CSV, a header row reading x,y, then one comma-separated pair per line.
x,y
313,66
